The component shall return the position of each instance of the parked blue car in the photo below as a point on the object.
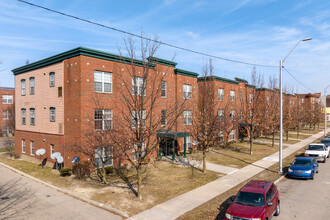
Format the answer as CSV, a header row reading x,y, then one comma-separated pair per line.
x,y
303,168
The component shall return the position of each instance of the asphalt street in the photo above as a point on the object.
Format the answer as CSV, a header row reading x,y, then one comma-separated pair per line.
x,y
23,198
306,199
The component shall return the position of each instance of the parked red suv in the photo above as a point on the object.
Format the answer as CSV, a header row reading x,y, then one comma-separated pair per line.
x,y
257,200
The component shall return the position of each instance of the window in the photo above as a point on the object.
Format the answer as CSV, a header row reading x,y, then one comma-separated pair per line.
x,y
7,130
312,100
32,116
7,99
52,148
232,96
23,112
251,115
241,97
221,136
51,79
163,117
188,143
232,115
241,115
138,153
220,114
23,86
267,100
52,114
270,195
221,94
290,102
23,146
164,89
6,115
302,100
136,118
31,85
187,91
232,134
59,91
103,119
250,98
103,155
187,118
32,147
138,86
102,82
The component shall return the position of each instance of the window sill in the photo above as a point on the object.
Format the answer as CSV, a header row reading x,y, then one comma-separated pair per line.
x,y
104,92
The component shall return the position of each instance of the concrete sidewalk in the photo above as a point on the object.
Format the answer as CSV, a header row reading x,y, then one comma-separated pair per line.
x,y
179,205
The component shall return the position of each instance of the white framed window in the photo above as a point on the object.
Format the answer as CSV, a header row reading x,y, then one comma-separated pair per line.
x,y
103,155
32,147
52,148
232,134
251,115
267,100
232,95
136,118
164,87
163,118
32,82
7,130
187,120
6,115
23,146
221,94
220,114
135,151
188,142
52,114
187,90
251,98
138,86
302,100
241,115
23,84
32,116
51,79
103,119
102,82
23,113
221,136
7,99
232,115
241,96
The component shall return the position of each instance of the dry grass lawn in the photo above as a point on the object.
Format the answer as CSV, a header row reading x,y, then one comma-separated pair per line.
x,y
277,140
237,154
162,181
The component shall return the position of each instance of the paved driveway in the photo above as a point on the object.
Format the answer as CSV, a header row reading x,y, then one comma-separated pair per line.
x,y
306,199
27,199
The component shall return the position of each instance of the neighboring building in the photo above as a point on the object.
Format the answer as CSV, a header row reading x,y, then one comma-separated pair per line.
x,y
54,102
7,111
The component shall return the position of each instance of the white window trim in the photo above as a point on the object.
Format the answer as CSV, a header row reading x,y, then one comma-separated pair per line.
x,y
23,146
102,82
31,148
161,89
232,96
103,119
221,97
187,91
186,116
140,81
6,97
52,148
143,113
133,150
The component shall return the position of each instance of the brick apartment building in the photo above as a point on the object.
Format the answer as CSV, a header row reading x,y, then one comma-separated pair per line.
x,y
7,112
55,100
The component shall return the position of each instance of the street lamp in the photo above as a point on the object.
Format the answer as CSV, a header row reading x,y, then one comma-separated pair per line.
x,y
325,111
281,104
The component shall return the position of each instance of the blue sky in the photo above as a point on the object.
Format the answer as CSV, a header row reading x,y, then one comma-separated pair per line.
x,y
256,31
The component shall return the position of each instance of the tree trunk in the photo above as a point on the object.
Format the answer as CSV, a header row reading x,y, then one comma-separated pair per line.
x,y
297,131
204,159
139,182
273,139
287,135
251,144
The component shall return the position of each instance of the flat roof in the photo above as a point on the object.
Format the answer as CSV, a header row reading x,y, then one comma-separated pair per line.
x,y
7,88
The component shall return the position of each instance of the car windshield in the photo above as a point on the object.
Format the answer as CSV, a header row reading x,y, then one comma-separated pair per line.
x,y
250,199
325,141
302,163
315,147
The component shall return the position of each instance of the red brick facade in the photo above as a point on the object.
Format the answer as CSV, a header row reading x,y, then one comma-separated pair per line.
x,y
7,111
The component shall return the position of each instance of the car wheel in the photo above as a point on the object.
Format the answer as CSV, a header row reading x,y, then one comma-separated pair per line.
x,y
317,171
325,159
277,212
328,155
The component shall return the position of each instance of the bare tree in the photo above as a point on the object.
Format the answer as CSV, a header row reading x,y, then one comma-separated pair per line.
x,y
9,145
206,123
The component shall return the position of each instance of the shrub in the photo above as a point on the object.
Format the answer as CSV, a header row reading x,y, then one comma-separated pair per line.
x,y
65,172
82,170
109,170
190,151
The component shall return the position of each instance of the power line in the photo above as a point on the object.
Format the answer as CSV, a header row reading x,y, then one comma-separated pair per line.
x,y
297,80
145,38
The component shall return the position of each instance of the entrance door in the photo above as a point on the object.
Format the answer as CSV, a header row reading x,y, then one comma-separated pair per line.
x,y
165,147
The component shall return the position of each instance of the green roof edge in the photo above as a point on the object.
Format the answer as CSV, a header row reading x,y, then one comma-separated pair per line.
x,y
241,80
162,61
73,53
185,73
218,78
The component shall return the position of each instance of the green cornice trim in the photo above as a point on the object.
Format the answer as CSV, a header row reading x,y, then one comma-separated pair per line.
x,y
265,89
218,78
250,86
241,80
77,52
185,73
162,61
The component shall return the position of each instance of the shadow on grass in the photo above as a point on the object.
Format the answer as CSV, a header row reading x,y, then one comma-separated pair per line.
x,y
244,161
223,208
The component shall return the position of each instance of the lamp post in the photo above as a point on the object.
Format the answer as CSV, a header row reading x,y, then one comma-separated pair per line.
x,y
325,111
281,105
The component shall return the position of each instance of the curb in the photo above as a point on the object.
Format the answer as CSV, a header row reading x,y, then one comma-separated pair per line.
x,y
280,179
89,201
